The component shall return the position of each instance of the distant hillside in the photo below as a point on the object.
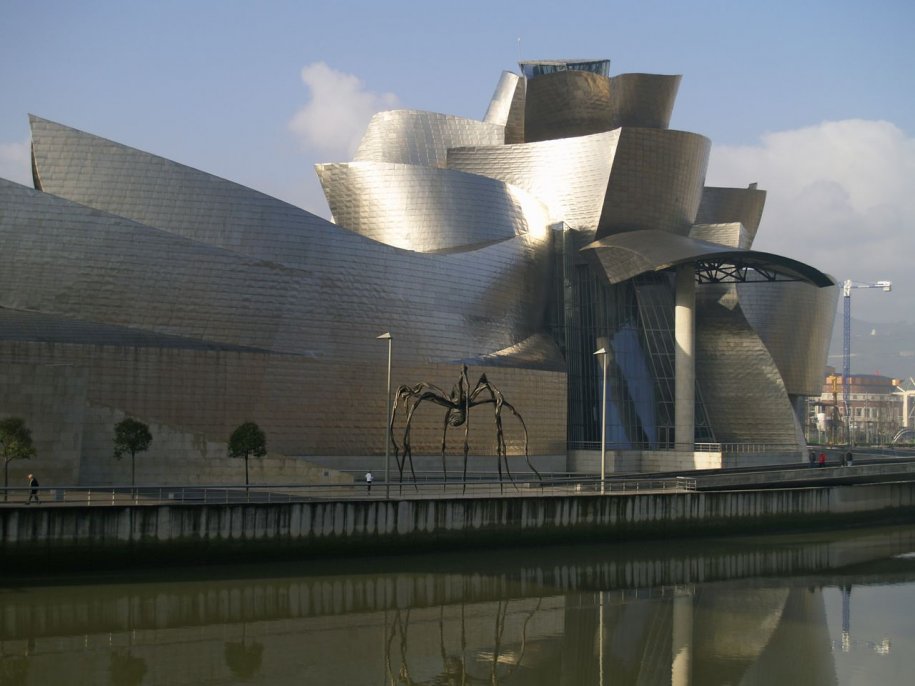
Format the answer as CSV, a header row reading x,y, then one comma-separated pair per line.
x,y
887,349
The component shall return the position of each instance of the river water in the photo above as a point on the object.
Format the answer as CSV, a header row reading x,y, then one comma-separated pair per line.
x,y
824,608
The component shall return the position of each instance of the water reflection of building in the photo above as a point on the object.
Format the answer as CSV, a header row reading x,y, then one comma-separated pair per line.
x,y
509,619
701,635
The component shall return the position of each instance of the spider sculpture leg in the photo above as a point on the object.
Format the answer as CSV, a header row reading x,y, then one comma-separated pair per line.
x,y
403,394
498,400
527,457
495,397
444,439
411,397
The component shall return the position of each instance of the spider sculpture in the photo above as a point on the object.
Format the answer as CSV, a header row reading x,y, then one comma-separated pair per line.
x,y
457,406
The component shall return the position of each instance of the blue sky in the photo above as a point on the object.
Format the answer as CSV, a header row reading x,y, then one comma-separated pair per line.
x,y
814,100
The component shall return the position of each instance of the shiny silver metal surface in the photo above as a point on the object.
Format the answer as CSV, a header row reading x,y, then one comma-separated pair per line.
x,y
733,234
500,105
422,138
795,321
656,182
740,383
725,205
642,100
428,209
195,303
569,175
566,103
308,300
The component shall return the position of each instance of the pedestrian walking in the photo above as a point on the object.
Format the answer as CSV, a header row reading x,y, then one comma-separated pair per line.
x,y
368,482
33,493
821,460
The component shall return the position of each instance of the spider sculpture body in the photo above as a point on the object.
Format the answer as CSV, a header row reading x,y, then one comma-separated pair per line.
x,y
457,406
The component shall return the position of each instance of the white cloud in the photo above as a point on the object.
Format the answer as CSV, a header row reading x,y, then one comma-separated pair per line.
x,y
333,122
15,163
841,196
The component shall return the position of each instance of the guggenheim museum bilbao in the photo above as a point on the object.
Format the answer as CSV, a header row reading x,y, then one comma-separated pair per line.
x,y
570,219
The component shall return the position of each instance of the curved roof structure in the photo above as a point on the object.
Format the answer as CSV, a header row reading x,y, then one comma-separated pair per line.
x,y
626,255
422,138
428,209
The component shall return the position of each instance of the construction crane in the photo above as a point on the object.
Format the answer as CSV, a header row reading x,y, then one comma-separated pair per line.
x,y
846,347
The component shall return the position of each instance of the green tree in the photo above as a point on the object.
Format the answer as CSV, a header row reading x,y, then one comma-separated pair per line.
x,y
16,439
247,439
131,436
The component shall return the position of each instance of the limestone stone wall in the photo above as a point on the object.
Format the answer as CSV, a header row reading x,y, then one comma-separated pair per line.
x,y
51,399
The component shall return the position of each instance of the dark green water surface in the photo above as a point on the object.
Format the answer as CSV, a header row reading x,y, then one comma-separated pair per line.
x,y
824,608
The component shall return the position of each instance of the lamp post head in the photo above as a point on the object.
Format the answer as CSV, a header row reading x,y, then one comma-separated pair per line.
x,y
386,336
602,351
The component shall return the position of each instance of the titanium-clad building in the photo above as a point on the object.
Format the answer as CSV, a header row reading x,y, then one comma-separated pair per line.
x,y
570,218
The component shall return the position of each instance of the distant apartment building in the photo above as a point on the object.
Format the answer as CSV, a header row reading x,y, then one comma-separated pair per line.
x,y
875,410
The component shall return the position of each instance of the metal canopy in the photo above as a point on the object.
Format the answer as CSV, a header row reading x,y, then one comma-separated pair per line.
x,y
626,255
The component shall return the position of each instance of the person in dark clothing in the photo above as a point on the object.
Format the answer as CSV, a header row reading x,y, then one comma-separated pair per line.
x,y
33,484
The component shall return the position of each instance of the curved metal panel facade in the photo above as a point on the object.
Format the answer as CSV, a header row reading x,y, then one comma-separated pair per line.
x,y
422,138
97,268
732,361
514,127
500,105
569,175
656,182
196,303
795,321
725,205
566,103
733,235
427,209
642,100
158,192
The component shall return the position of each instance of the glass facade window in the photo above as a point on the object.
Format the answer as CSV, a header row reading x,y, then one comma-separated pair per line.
x,y
531,70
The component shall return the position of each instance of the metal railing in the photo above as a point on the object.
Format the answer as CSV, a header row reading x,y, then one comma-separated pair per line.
x,y
430,488
727,448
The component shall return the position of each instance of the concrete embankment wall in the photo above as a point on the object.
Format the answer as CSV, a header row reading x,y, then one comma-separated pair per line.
x,y
65,537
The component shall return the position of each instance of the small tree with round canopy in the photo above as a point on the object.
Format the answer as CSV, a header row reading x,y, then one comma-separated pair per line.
x,y
131,436
247,439
16,442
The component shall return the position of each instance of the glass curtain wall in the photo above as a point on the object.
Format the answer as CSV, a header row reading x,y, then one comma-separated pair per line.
x,y
634,321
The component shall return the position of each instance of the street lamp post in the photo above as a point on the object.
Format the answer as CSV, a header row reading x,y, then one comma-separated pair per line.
x,y
386,336
603,420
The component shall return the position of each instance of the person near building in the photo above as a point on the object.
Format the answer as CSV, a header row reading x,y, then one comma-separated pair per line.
x,y
821,460
368,481
33,492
